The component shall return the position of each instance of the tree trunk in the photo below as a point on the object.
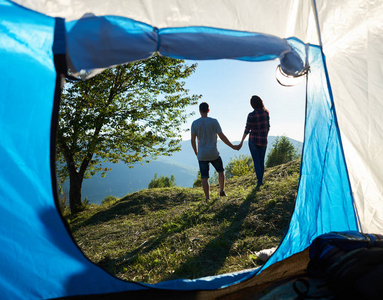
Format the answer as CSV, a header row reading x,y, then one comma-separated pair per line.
x,y
75,183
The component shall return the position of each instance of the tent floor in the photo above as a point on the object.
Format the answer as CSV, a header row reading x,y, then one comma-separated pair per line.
x,y
275,281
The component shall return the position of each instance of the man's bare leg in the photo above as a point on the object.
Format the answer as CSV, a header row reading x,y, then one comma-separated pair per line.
x,y
221,181
206,187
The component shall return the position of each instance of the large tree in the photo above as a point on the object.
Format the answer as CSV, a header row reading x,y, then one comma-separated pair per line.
x,y
131,113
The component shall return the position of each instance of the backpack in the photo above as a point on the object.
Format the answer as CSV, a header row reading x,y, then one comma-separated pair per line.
x,y
351,263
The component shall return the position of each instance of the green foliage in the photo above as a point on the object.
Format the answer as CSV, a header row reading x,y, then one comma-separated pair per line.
x,y
282,152
131,113
62,199
85,203
109,200
63,204
214,178
161,182
198,181
239,166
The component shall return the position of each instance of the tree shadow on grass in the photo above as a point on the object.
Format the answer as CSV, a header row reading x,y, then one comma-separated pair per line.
x,y
208,262
187,220
117,265
211,259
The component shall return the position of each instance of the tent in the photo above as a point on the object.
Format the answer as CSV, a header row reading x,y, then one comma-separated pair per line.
x,y
341,179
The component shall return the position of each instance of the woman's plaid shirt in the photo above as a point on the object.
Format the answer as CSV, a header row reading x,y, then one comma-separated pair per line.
x,y
258,124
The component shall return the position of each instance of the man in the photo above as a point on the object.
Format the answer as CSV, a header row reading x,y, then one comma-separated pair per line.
x,y
206,129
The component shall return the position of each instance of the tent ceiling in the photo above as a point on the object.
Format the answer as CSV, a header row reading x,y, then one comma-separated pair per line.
x,y
292,18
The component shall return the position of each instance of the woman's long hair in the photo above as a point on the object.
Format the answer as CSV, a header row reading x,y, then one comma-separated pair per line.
x,y
256,102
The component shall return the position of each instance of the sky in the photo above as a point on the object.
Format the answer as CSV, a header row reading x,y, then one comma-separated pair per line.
x,y
227,85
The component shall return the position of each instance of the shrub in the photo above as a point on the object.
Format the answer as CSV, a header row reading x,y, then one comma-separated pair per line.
x,y
282,152
198,181
109,200
239,166
163,181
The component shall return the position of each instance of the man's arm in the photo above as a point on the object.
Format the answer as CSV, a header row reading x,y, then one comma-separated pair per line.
x,y
226,141
193,143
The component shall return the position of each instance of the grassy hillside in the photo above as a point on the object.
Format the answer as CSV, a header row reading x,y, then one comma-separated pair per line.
x,y
162,234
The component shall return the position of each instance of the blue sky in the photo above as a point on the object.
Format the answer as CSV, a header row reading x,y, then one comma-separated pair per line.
x,y
227,85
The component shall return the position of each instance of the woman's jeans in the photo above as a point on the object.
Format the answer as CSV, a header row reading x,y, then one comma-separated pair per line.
x,y
258,154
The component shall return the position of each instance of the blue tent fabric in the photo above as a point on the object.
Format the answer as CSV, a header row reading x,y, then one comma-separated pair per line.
x,y
202,43
39,258
131,41
24,173
89,49
324,202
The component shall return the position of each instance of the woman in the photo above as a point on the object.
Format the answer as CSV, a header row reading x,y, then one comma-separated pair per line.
x,y
258,125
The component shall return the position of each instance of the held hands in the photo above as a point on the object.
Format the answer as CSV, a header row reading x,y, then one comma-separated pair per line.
x,y
237,147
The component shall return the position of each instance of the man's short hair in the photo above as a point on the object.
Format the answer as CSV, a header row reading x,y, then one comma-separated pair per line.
x,y
204,107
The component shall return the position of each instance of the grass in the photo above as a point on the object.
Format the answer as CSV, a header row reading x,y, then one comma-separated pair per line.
x,y
169,233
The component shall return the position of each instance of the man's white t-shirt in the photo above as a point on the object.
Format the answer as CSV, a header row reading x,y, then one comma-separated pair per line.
x,y
206,130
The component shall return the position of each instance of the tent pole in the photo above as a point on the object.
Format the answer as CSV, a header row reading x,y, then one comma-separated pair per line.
x,y
317,22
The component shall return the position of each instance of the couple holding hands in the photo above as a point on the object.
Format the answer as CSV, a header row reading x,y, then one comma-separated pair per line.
x,y
206,130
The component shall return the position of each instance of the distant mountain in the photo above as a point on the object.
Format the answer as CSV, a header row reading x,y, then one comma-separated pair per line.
x,y
187,157
122,180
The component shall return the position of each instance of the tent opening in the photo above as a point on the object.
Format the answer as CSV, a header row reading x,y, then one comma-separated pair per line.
x,y
154,235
